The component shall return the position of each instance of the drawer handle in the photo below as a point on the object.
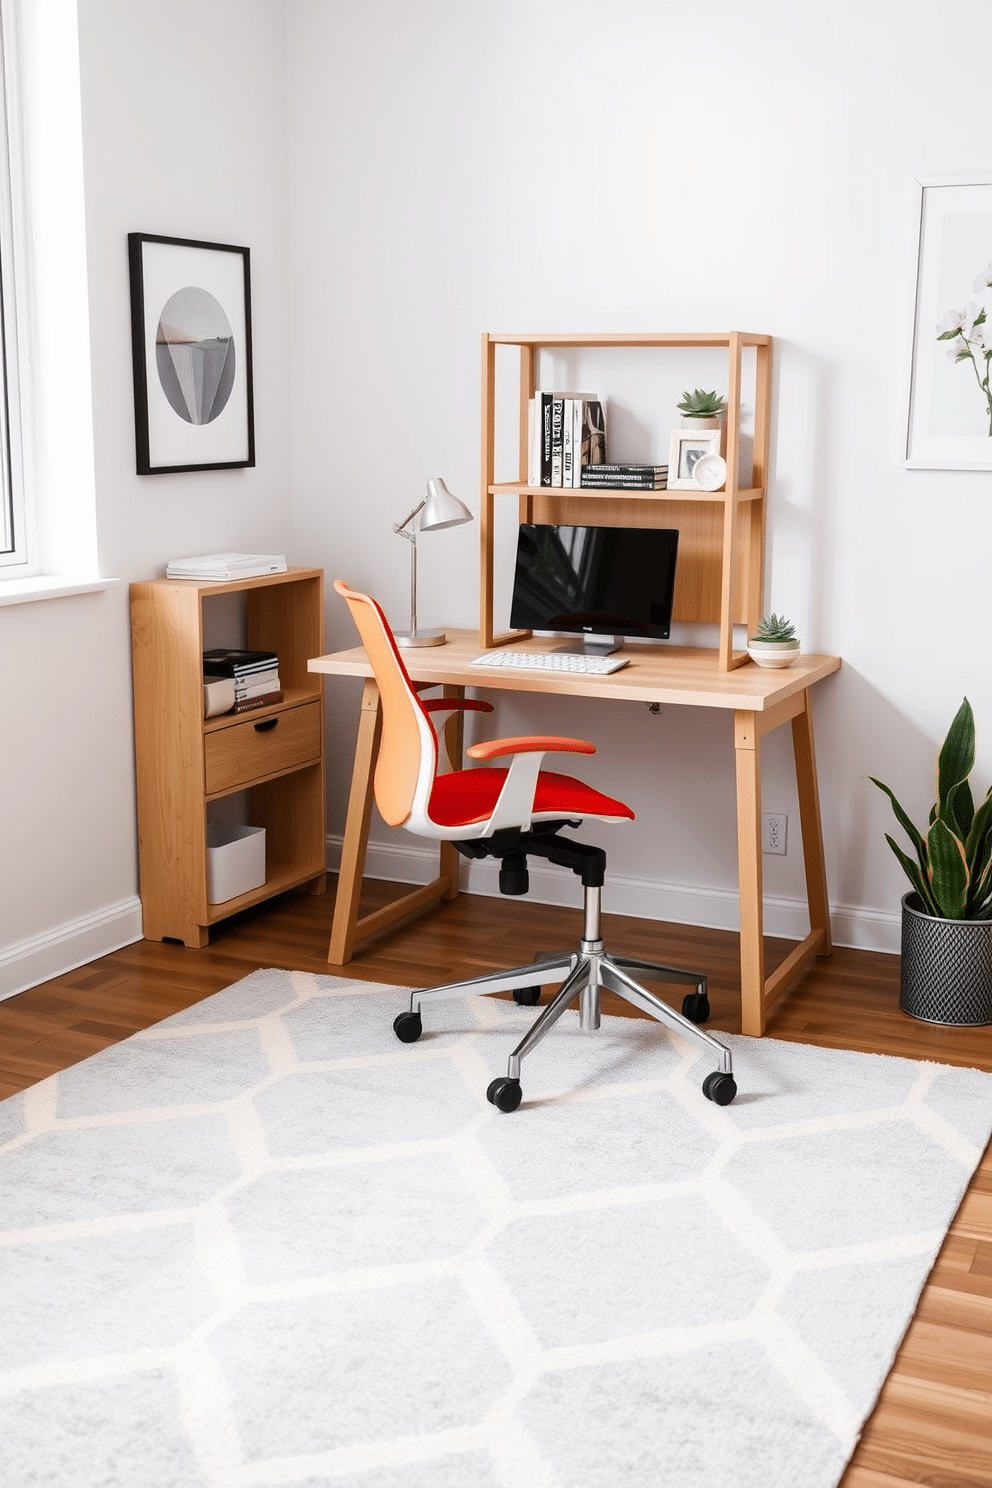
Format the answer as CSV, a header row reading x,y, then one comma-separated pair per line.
x,y
265,725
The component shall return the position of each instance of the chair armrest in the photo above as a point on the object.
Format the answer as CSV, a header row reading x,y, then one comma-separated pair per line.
x,y
529,744
465,705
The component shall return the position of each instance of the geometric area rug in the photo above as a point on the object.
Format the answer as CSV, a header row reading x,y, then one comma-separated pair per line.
x,y
263,1243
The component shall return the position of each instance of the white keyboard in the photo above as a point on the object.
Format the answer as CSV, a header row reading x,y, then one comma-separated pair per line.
x,y
549,661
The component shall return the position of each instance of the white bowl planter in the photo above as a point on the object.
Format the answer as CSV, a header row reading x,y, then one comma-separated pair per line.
x,y
773,653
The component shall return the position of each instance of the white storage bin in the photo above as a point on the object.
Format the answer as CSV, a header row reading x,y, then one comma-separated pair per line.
x,y
235,860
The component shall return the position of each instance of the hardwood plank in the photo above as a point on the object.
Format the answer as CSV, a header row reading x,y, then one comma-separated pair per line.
x,y
982,1263
945,1355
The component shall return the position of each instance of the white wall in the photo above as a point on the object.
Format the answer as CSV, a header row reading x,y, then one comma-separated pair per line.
x,y
564,165
183,134
408,176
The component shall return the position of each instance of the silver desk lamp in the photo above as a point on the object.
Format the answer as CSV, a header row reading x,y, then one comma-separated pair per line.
x,y
438,509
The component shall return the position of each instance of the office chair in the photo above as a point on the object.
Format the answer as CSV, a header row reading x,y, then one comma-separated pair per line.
x,y
510,814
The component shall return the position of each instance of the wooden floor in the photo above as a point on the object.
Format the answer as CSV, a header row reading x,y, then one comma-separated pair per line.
x,y
933,1423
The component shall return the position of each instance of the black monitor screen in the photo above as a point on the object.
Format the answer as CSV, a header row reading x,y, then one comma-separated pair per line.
x,y
595,580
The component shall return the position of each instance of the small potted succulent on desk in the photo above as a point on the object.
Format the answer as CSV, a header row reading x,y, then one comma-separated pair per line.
x,y
701,410
946,970
774,643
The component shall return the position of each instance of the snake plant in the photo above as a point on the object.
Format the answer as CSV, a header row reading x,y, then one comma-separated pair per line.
x,y
952,869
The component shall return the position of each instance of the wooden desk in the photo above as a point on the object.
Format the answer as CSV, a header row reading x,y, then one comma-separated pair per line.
x,y
762,699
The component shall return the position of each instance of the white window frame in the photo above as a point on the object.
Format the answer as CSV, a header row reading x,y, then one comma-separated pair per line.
x,y
48,362
16,527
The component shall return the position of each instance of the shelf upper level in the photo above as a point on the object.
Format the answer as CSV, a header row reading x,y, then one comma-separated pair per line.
x,y
633,338
668,493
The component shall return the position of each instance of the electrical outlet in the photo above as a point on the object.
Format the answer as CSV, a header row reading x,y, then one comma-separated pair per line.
x,y
774,830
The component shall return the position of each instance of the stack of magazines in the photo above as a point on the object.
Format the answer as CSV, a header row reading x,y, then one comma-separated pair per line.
x,y
225,566
237,681
626,477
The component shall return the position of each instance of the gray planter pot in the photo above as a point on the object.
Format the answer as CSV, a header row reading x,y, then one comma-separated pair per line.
x,y
946,972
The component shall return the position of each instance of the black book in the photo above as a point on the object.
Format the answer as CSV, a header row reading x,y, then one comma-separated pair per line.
x,y
626,483
601,469
229,661
544,401
599,475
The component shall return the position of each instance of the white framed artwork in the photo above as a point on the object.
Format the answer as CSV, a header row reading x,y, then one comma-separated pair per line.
x,y
687,446
950,401
191,350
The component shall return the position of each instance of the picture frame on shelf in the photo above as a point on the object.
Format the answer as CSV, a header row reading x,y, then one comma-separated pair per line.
x,y
949,423
686,447
192,354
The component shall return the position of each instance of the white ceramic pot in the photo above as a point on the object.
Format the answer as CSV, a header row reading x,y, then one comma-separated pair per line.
x,y
773,653
700,420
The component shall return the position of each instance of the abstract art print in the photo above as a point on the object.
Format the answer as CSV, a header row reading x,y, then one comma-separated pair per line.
x,y
191,345
950,402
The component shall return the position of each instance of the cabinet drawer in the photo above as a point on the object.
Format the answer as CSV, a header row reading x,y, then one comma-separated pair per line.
x,y
250,750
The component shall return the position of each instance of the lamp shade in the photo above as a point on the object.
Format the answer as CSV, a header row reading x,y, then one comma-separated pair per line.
x,y
442,508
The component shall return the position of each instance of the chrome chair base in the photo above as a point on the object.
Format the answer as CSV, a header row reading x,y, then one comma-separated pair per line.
x,y
583,977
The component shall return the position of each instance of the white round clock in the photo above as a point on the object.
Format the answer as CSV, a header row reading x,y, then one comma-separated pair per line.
x,y
710,472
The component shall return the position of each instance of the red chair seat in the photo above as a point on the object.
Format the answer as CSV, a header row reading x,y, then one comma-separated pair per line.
x,y
466,796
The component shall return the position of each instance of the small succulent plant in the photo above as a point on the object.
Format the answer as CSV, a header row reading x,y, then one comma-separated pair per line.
x,y
775,628
701,405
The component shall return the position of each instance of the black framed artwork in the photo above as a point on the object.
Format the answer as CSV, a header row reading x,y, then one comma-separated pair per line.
x,y
191,349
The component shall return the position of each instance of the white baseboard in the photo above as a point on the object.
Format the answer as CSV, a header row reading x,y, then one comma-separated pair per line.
x,y
37,959
41,957
649,899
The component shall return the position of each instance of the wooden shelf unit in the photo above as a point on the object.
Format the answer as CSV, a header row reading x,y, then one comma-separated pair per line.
x,y
184,761
721,533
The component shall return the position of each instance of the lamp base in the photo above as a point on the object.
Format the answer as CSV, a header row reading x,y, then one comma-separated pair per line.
x,y
419,637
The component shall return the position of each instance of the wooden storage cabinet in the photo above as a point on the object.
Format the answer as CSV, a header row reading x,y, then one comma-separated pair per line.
x,y
184,762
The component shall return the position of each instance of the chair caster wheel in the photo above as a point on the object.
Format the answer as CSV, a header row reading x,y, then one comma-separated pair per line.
x,y
505,1094
696,1007
408,1027
720,1088
527,996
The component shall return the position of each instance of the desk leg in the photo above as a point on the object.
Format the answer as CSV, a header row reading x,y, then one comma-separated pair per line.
x,y
356,831
758,992
809,820
454,737
747,741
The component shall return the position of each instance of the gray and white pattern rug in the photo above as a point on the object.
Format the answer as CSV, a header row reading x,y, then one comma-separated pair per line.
x,y
262,1243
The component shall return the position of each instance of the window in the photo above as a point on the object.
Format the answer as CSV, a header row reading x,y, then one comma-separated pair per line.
x,y
13,554
48,521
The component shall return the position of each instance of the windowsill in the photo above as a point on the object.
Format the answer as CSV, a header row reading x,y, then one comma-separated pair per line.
x,y
50,586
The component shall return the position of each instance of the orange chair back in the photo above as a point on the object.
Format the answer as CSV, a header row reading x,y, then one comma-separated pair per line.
x,y
408,751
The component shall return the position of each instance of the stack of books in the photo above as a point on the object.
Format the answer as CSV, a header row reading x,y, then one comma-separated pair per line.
x,y
223,566
255,675
626,477
566,434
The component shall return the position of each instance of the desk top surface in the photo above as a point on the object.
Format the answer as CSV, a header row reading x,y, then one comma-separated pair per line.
x,y
656,674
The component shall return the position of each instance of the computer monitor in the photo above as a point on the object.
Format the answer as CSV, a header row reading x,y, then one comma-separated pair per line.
x,y
600,583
